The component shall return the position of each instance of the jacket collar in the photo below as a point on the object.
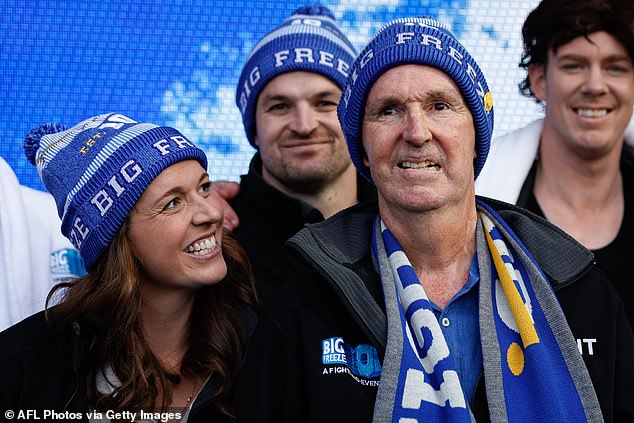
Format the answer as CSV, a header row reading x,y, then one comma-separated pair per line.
x,y
346,239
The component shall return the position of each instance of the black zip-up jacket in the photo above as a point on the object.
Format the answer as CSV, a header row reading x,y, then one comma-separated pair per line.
x,y
268,218
335,293
43,368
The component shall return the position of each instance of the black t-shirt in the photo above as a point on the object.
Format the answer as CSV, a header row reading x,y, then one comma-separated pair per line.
x,y
615,258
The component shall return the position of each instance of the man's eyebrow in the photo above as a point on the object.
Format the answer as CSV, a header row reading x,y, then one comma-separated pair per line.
x,y
449,94
319,94
383,101
374,107
611,58
274,97
326,93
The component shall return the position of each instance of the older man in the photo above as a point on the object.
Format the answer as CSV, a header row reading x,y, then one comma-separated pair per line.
x,y
435,306
576,166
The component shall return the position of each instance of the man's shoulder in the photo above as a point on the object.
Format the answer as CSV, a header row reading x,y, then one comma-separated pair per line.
x,y
592,289
257,196
254,204
347,232
341,242
244,192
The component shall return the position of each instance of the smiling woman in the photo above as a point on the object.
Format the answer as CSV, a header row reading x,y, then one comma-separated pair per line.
x,y
159,322
176,229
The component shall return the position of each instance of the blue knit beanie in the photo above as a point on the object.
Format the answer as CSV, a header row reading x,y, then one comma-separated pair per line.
x,y
98,169
308,40
415,41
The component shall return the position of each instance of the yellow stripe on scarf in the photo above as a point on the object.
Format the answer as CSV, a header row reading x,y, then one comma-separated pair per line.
x,y
516,304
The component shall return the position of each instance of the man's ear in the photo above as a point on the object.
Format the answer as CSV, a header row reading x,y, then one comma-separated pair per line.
x,y
537,76
365,159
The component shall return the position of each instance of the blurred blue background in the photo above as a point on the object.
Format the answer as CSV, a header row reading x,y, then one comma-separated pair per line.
x,y
176,63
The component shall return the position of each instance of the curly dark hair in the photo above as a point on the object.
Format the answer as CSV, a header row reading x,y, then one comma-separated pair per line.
x,y
554,23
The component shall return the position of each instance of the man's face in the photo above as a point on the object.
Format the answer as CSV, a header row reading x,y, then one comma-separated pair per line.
x,y
588,88
297,131
419,139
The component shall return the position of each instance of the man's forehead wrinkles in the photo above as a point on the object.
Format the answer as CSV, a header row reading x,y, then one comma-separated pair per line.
x,y
415,96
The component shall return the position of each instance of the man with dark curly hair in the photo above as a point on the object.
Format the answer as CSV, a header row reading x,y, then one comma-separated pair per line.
x,y
575,167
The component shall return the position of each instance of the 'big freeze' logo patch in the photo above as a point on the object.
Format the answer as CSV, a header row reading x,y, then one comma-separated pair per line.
x,y
361,361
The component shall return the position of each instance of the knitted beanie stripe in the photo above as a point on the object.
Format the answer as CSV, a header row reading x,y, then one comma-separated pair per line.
x,y
329,37
97,170
283,48
415,41
324,18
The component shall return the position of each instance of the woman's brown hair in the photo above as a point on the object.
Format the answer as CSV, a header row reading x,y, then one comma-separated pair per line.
x,y
106,303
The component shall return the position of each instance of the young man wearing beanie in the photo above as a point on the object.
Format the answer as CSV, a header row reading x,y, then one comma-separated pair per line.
x,y
576,166
301,173
435,305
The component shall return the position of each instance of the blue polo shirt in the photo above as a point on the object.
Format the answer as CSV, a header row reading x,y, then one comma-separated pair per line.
x,y
459,323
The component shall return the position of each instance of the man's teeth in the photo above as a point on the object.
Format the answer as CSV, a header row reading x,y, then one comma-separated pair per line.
x,y
592,112
203,247
418,165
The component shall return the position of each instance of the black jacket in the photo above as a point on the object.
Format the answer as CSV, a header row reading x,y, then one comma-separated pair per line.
x,y
334,292
268,218
43,368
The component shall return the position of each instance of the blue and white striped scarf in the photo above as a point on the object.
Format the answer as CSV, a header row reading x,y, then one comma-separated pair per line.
x,y
533,370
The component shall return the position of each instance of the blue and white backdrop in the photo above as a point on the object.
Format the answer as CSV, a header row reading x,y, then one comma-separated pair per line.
x,y
176,62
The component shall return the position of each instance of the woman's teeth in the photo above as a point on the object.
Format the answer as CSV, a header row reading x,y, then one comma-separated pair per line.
x,y
200,248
